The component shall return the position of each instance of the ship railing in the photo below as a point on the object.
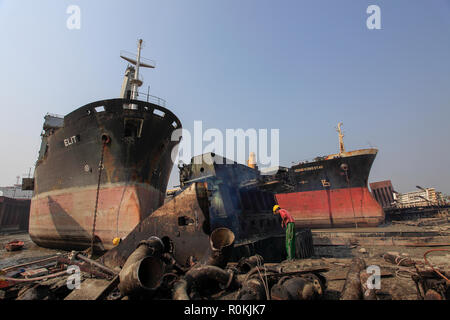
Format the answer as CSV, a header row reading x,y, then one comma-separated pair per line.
x,y
53,121
309,160
54,115
151,99
319,158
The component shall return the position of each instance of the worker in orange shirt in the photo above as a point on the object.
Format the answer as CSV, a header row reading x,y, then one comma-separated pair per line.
x,y
288,222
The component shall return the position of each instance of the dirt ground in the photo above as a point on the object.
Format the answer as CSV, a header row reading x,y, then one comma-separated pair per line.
x,y
396,282
30,251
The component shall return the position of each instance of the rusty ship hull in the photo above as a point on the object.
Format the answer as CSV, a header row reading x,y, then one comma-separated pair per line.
x,y
130,146
330,192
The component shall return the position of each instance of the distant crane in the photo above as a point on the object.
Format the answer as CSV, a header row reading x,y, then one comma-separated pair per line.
x,y
341,138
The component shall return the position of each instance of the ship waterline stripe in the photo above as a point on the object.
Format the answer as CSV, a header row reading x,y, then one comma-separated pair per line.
x,y
93,187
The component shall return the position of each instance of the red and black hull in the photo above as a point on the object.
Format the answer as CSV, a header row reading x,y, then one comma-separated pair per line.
x,y
134,176
330,192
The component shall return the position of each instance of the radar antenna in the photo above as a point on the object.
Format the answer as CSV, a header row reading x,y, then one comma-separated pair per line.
x,y
138,62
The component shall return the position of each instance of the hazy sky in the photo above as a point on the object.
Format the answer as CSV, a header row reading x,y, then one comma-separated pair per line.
x,y
300,66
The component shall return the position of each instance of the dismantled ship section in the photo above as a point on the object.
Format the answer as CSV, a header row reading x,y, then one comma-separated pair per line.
x,y
14,214
239,204
217,203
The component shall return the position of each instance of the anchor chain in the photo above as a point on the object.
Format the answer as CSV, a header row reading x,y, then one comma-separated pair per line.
x,y
100,169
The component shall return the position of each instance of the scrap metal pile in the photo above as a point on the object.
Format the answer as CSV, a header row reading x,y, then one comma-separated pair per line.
x,y
151,272
217,239
431,282
182,249
49,278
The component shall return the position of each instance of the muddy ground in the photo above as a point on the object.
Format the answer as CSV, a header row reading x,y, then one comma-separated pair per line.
x,y
30,251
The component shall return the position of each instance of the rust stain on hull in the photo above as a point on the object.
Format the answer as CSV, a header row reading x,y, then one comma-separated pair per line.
x,y
64,219
126,152
332,208
184,221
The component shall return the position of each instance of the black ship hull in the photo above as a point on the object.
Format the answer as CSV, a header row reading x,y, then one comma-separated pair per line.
x,y
136,148
329,192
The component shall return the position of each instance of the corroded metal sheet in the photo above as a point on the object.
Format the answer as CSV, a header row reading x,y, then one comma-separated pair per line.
x,y
63,219
14,214
332,208
183,222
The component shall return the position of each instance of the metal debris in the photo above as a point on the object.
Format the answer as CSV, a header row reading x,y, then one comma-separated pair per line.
x,y
352,287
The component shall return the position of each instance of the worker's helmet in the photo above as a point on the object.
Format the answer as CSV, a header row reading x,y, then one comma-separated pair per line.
x,y
116,241
275,208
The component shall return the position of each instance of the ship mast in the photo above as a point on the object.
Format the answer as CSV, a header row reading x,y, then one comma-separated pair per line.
x,y
341,139
136,82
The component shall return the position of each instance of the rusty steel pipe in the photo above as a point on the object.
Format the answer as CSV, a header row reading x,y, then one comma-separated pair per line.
x,y
143,269
221,247
368,294
308,287
352,287
142,275
95,263
83,267
200,276
48,276
4,270
180,290
252,289
170,261
287,289
246,264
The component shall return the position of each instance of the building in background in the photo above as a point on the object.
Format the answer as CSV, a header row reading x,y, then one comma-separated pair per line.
x,y
15,192
383,192
420,198
387,197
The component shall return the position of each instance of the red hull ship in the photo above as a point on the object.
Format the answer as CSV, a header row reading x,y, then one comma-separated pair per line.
x,y
331,191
